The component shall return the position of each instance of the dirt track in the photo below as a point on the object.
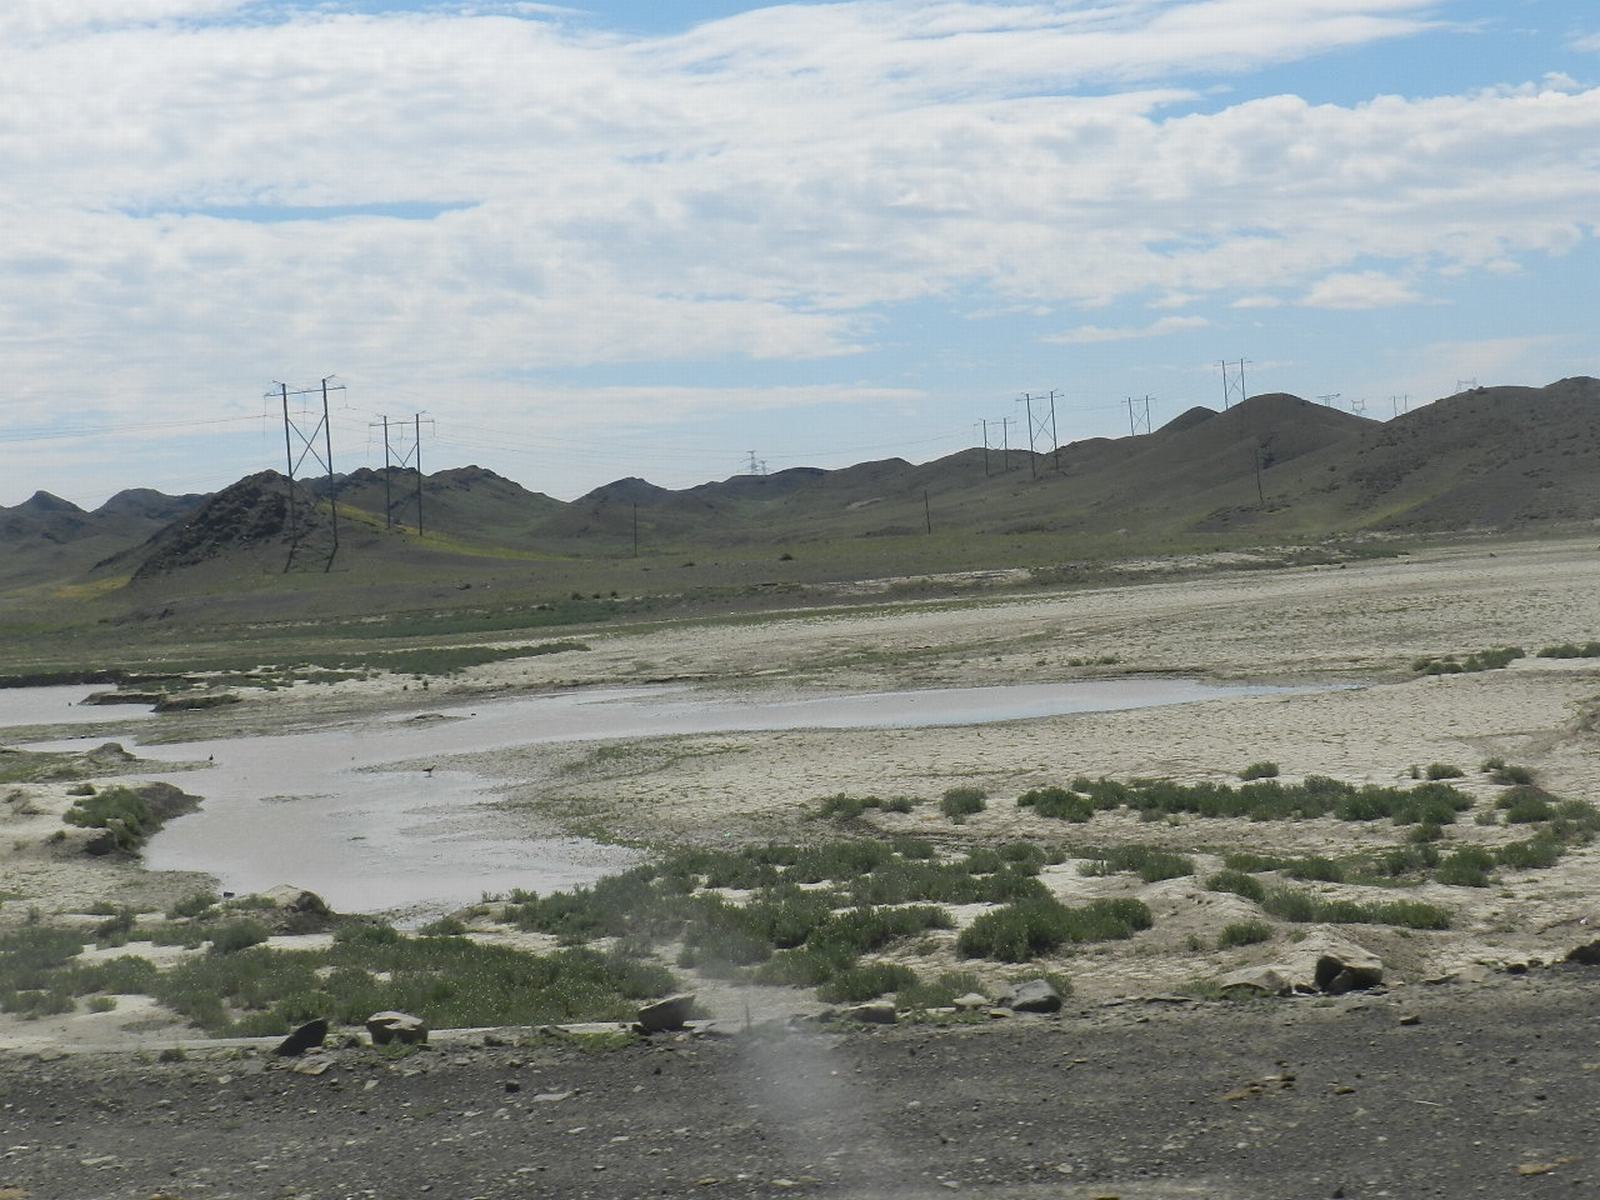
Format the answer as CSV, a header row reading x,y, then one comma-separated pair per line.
x,y
1138,1101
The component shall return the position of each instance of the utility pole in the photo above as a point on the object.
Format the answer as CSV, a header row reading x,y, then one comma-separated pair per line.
x,y
1261,496
985,424
1327,400
1033,458
323,429
1233,382
636,529
392,459
416,426
1005,441
1138,416
1055,440
927,512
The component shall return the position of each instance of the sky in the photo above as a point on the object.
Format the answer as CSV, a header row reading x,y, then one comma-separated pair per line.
x,y
598,240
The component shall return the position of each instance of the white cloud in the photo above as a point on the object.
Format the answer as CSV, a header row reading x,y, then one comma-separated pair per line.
x,y
1248,302
1587,43
761,187
1360,289
1085,335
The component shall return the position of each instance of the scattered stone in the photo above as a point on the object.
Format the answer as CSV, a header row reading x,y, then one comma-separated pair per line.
x,y
669,1014
1035,996
311,1066
1346,969
551,1097
971,1002
1266,981
307,1037
1411,1019
1588,956
1470,973
1536,1168
386,1027
297,899
873,1012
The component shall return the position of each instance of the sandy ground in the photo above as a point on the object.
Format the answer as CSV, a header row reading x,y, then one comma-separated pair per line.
x,y
1359,625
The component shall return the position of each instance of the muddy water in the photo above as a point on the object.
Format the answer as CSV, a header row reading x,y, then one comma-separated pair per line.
x,y
62,706
319,810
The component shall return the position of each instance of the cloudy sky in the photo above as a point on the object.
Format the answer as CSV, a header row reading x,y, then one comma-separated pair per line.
x,y
647,238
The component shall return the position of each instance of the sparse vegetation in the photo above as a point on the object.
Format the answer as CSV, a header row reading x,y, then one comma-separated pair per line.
x,y
1590,649
1150,864
1243,933
1291,904
1260,770
1482,660
1445,771
959,803
1239,883
1023,931
848,808
1058,804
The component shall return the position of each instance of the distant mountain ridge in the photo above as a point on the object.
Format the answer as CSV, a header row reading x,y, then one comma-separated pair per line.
x,y
1273,467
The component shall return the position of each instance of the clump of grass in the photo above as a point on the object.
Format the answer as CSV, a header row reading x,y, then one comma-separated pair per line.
x,y
238,935
1260,770
1315,868
1243,933
1239,883
1467,866
1058,804
866,981
1536,853
849,808
1150,864
1291,904
1506,774
1405,860
1023,931
447,926
942,991
1589,649
1253,863
197,905
959,803
1524,804
1444,771
1492,659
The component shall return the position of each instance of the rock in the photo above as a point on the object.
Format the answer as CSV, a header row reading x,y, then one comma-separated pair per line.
x,y
311,1066
1588,956
386,1027
1266,981
971,1002
873,1012
296,899
307,1037
1471,973
1411,1019
663,1015
1035,996
1347,969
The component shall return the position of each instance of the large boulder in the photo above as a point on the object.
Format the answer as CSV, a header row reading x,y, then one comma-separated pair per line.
x,y
873,1012
664,1015
308,1037
386,1027
1588,955
1347,968
1262,981
291,898
1033,996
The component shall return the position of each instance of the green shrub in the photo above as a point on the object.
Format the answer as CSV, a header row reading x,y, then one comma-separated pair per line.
x,y
942,991
1151,865
1243,933
848,808
1536,853
1022,931
1058,804
1305,907
1509,775
1444,771
1254,863
446,926
1482,660
1239,883
1572,650
1321,870
959,803
1525,804
1468,866
1403,860
238,935
866,981
196,905
1260,770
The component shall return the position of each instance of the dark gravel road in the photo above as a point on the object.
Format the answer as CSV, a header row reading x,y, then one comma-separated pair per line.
x,y
1487,1090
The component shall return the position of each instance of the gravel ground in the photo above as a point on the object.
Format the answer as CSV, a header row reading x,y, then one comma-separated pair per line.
x,y
1487,1089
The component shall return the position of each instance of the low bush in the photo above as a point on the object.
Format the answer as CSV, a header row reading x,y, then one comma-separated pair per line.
x,y
848,808
1260,770
959,803
1022,931
1536,853
1467,866
1150,864
1305,907
1254,863
1482,660
1315,869
1058,804
1572,650
1239,883
197,905
1524,804
1444,771
866,981
942,991
1243,933
238,935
